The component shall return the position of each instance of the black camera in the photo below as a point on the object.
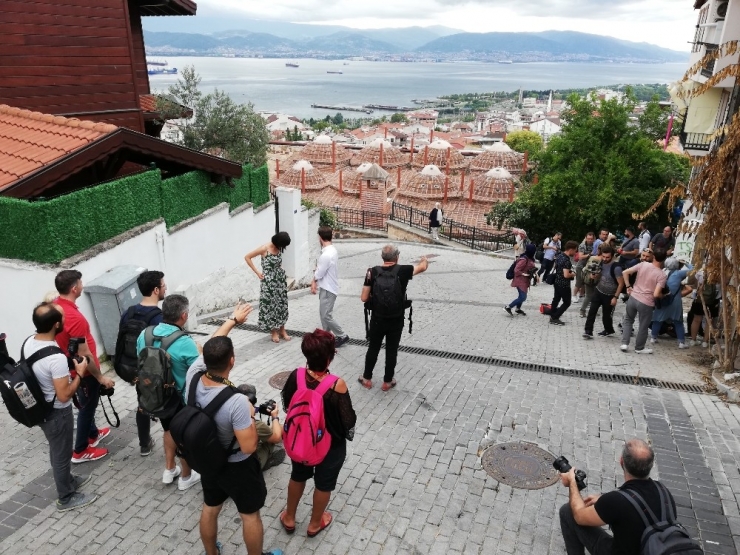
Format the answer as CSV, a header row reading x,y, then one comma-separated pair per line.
x,y
266,408
106,391
72,349
562,465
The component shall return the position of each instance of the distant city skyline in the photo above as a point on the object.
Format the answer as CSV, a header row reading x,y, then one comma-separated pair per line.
x,y
667,23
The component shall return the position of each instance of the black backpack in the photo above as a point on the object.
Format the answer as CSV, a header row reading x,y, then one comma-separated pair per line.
x,y
510,272
664,536
196,435
21,391
126,359
388,296
156,389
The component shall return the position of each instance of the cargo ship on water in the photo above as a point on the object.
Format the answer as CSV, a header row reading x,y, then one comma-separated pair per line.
x,y
155,67
290,64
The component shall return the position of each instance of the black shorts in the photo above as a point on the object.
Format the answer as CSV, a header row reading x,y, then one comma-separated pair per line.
x,y
165,422
325,473
698,310
241,481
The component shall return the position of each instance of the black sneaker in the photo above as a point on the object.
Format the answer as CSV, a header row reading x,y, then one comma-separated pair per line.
x,y
339,341
556,322
606,333
275,458
520,312
147,450
587,335
508,309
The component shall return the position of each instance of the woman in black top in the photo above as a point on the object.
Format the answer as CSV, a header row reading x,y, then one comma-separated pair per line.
x,y
319,349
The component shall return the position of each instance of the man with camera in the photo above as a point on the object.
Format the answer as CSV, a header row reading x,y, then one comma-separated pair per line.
x,y
77,340
581,519
241,479
53,375
269,433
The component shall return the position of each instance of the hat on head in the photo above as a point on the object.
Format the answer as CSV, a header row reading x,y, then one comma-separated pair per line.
x,y
671,264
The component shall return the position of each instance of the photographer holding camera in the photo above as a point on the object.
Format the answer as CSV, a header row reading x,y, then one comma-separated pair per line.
x,y
581,519
58,386
268,434
77,341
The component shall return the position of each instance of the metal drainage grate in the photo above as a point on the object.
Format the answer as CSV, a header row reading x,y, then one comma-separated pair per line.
x,y
506,363
278,380
520,465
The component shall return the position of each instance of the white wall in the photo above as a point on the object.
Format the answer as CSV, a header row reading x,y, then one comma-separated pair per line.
x,y
203,258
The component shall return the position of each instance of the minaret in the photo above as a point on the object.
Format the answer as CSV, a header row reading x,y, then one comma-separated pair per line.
x,y
549,103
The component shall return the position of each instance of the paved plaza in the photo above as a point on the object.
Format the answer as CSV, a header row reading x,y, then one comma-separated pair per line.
x,y
412,482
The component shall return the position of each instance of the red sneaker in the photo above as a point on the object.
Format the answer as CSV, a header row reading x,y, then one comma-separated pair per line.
x,y
102,433
89,454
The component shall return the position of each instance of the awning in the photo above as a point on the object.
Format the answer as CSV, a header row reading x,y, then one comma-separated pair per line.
x,y
701,114
166,7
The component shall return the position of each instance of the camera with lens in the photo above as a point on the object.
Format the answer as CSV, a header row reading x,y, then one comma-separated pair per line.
x,y
562,465
72,349
265,408
106,391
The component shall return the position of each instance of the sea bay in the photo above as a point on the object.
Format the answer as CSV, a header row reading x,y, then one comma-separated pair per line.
x,y
271,86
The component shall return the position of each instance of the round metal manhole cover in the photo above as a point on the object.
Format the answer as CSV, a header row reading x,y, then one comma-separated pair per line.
x,y
279,379
520,465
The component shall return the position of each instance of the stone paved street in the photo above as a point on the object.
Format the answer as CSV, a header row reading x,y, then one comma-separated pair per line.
x,y
412,482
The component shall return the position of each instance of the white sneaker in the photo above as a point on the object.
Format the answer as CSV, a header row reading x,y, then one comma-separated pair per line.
x,y
683,346
653,340
187,483
691,343
168,476
624,348
644,351
704,344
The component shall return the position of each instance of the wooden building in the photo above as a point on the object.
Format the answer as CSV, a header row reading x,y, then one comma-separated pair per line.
x,y
81,59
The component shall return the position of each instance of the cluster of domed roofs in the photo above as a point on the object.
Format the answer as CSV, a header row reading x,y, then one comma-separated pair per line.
x,y
435,172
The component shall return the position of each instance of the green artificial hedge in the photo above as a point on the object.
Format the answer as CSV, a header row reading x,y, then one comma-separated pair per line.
x,y
49,231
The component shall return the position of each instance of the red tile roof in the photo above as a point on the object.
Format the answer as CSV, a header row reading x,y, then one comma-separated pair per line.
x,y
30,140
148,102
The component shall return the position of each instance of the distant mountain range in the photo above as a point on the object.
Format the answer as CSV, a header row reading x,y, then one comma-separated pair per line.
x,y
412,43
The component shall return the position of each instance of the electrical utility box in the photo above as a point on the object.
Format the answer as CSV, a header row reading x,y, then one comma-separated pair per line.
x,y
111,295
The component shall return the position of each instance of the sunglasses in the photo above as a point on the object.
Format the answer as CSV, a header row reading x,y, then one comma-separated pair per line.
x,y
647,250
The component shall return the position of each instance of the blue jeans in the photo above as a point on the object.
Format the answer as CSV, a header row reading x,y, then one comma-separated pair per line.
x,y
678,326
519,301
546,267
88,395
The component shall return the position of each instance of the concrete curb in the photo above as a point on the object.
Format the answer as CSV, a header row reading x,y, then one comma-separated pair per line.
x,y
435,245
732,394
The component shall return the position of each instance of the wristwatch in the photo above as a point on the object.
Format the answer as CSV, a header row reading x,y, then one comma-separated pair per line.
x,y
235,320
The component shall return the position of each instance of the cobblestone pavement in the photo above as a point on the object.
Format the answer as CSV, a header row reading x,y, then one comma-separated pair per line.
x,y
412,482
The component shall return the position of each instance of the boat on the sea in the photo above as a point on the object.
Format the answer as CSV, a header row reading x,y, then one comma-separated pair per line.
x,y
291,64
345,63
505,62
336,72
160,68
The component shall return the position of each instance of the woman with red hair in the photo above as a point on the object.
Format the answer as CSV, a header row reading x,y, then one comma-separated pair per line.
x,y
319,349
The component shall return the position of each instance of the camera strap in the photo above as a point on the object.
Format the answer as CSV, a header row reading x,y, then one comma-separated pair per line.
x,y
115,414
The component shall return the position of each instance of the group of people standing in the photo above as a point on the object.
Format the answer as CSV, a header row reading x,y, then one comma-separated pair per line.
x,y
642,271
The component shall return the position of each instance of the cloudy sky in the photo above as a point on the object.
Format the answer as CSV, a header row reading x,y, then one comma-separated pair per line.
x,y
668,23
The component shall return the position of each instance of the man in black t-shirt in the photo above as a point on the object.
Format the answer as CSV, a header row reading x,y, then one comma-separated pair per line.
x,y
664,241
382,326
563,275
581,519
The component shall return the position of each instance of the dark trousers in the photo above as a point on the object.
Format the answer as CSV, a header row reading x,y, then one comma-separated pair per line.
x,y
604,301
546,267
88,396
390,330
561,294
59,429
143,428
577,537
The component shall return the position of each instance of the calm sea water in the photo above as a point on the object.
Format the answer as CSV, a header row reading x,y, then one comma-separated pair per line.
x,y
271,86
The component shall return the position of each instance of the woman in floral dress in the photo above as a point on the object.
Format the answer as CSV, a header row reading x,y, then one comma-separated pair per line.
x,y
273,287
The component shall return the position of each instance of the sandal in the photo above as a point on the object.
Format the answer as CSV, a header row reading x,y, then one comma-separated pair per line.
x,y
388,385
367,384
324,525
288,529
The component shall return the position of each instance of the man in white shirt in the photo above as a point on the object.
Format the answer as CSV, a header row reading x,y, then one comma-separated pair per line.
x,y
644,236
49,364
326,282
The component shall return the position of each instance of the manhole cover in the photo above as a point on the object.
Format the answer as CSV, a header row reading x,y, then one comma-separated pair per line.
x,y
520,465
279,379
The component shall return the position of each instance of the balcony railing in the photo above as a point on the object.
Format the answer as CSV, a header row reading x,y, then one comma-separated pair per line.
x,y
708,69
696,141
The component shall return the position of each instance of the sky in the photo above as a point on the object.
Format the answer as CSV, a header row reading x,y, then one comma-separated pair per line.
x,y
667,23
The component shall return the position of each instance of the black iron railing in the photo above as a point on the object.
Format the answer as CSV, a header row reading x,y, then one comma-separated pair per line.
x,y
362,219
708,69
696,141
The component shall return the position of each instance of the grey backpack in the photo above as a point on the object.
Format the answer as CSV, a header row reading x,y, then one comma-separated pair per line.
x,y
665,536
156,389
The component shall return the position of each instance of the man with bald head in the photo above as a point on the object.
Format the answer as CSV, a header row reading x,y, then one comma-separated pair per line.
x,y
581,519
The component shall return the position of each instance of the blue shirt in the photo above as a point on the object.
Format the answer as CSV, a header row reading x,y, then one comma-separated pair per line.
x,y
183,352
595,251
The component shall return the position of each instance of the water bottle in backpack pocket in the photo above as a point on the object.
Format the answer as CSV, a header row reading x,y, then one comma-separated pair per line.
x,y
306,439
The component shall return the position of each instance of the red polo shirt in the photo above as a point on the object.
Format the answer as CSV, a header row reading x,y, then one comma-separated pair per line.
x,y
75,325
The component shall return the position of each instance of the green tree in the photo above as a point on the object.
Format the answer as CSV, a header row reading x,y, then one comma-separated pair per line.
x,y
218,124
598,172
525,141
320,125
654,120
338,119
399,118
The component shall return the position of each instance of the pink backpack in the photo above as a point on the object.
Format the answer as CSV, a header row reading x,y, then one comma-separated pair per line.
x,y
306,440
